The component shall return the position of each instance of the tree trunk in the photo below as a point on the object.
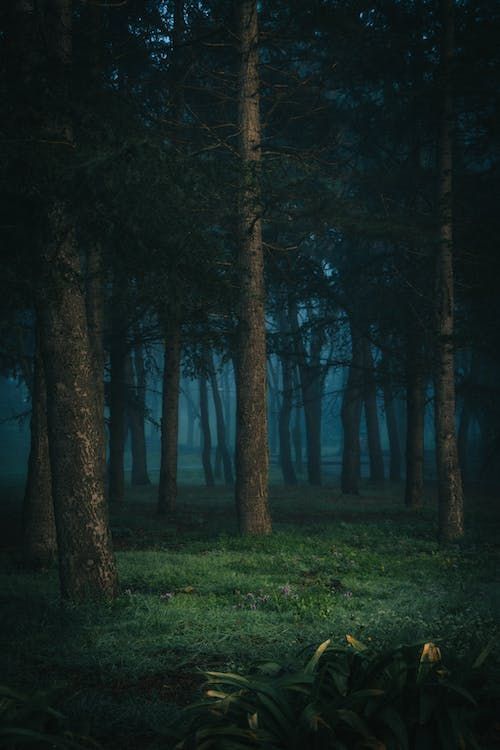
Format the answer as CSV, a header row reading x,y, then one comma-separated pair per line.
x,y
167,490
450,493
252,460
206,438
371,416
39,529
392,429
415,414
462,438
137,413
351,418
297,424
221,426
289,476
117,404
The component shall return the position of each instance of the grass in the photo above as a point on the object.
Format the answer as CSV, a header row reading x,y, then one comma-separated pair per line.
x,y
195,595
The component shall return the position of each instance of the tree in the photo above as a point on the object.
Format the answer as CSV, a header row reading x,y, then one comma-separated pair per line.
x,y
252,461
450,493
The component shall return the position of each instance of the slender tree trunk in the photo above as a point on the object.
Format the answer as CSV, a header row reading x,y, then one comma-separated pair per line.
x,y
351,418
392,429
137,413
289,476
167,490
371,415
190,414
227,407
117,405
252,458
206,439
40,544
450,493
415,420
221,426
297,424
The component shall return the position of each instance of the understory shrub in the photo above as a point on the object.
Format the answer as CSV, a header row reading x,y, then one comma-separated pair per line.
x,y
341,699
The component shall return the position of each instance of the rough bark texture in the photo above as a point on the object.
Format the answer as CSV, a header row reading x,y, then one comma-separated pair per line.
x,y
86,564
39,529
415,413
136,391
450,493
117,405
252,462
206,438
371,415
351,417
221,425
167,490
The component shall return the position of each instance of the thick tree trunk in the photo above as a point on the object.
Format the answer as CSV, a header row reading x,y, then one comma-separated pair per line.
x,y
450,493
117,406
392,430
39,529
286,462
221,426
86,564
415,413
137,414
94,298
206,438
371,416
252,459
167,490
351,418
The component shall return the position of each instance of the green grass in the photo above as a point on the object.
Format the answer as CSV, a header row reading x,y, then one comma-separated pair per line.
x,y
194,594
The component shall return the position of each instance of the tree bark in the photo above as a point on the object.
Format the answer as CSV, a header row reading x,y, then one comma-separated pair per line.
x,y
167,490
86,564
392,428
94,299
252,461
415,413
371,415
289,476
351,418
39,529
137,414
450,492
221,426
206,438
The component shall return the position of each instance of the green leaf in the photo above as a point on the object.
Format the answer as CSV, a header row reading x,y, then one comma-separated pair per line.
x,y
312,663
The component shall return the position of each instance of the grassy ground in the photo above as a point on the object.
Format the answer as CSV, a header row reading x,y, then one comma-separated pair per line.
x,y
193,594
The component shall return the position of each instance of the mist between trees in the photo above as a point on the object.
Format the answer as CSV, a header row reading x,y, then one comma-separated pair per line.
x,y
245,238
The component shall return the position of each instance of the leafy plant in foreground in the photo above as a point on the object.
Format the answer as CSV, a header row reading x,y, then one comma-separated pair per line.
x,y
28,721
341,699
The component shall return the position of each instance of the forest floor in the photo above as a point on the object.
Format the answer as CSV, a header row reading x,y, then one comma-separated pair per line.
x,y
194,595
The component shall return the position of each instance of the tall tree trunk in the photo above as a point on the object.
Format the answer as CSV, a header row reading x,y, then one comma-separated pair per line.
x,y
221,426
190,414
272,413
137,414
297,424
415,414
289,476
252,460
206,438
167,490
117,403
86,564
450,493
351,417
463,437
227,407
39,529
392,428
371,415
